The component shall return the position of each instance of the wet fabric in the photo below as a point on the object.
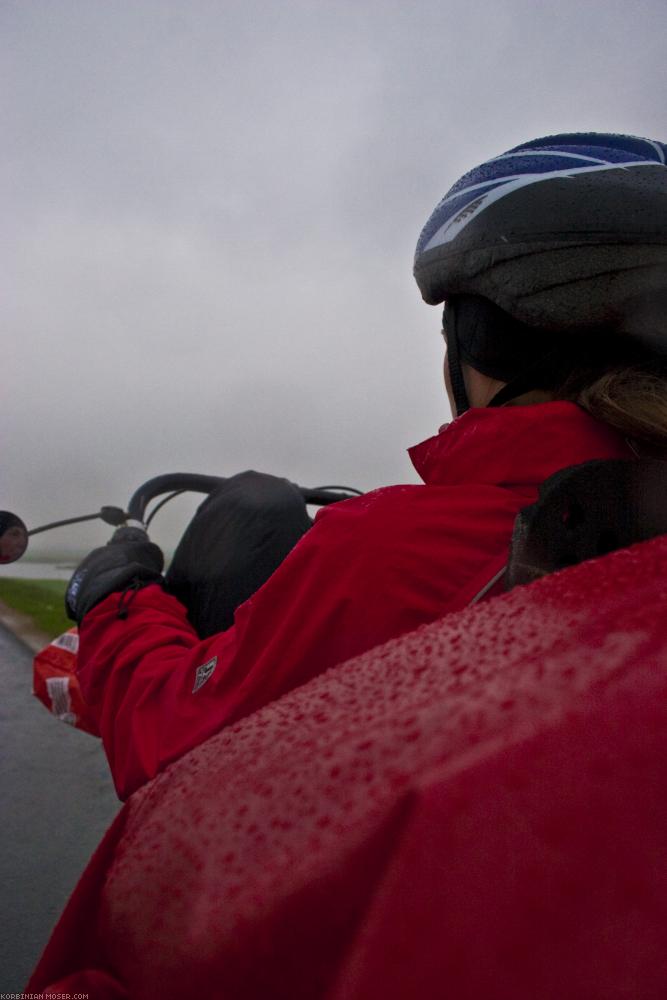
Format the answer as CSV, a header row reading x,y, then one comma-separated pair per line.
x,y
566,232
474,810
370,569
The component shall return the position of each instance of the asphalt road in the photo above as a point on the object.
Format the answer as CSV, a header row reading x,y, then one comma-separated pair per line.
x,y
57,801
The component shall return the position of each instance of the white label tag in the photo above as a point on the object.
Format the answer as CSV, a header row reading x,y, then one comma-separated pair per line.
x,y
68,640
204,672
61,706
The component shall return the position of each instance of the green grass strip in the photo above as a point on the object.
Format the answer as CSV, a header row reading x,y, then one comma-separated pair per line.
x,y
42,600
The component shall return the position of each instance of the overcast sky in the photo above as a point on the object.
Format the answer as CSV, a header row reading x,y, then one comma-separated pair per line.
x,y
210,211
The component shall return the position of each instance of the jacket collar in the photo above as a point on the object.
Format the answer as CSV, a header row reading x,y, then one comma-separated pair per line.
x,y
514,445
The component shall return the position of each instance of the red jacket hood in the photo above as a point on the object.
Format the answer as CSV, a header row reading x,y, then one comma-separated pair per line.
x,y
514,445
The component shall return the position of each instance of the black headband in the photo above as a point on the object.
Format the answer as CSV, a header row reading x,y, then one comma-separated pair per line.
x,y
493,342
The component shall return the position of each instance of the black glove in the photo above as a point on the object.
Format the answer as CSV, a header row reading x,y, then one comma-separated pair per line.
x,y
129,559
238,537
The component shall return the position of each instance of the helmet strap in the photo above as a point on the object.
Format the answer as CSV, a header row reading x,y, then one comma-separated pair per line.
x,y
459,392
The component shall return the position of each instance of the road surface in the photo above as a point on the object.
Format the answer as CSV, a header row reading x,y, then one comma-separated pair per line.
x,y
57,802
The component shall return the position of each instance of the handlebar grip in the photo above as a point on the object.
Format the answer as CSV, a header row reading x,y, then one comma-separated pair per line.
x,y
322,497
165,484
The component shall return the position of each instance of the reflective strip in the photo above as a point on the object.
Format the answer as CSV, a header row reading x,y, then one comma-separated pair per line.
x,y
69,641
61,705
204,673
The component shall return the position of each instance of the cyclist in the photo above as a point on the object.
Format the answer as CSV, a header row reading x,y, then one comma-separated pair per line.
x,y
551,260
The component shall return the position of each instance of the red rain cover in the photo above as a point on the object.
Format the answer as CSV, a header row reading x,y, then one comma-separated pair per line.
x,y
474,810
55,683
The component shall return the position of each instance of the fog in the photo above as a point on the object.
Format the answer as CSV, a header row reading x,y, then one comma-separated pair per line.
x,y
210,211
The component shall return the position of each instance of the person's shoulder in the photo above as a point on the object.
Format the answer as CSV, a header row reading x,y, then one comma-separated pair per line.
x,y
395,512
369,504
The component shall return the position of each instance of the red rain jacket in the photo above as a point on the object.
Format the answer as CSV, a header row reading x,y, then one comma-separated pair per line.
x,y
473,810
370,569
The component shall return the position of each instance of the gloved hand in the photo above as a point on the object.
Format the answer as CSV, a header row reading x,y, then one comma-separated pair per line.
x,y
238,537
129,559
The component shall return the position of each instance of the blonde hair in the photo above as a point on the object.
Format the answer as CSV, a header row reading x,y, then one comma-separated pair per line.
x,y
627,392
633,400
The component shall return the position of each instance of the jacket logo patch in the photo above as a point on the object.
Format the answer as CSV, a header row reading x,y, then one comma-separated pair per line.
x,y
203,673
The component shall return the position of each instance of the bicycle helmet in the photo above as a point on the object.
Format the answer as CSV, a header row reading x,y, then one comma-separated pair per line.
x,y
552,241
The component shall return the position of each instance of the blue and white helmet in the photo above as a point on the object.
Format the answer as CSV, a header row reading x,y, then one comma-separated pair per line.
x,y
563,232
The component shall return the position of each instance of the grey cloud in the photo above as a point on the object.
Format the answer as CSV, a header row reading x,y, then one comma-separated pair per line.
x,y
212,210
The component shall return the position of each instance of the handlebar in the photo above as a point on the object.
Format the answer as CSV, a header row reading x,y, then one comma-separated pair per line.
x,y
14,534
169,483
193,482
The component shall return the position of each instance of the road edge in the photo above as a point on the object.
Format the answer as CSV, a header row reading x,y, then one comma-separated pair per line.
x,y
23,628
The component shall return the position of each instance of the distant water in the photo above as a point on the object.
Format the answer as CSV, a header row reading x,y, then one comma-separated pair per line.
x,y
24,570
